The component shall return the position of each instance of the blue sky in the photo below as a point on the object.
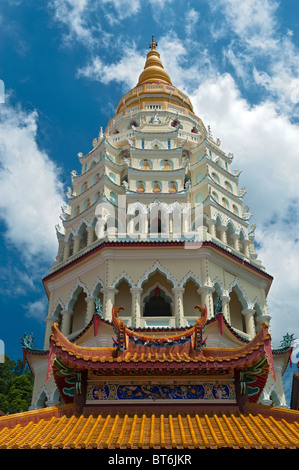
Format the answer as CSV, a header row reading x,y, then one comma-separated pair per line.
x,y
65,65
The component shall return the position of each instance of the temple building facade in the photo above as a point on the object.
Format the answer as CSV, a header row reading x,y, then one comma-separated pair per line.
x,y
156,224
157,297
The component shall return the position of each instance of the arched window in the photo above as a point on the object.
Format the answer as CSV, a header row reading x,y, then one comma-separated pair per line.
x,y
191,297
166,165
140,186
228,186
156,187
225,203
215,196
216,178
97,196
83,234
96,178
76,211
113,198
79,311
124,298
236,307
235,210
172,187
86,204
157,304
145,164
112,176
84,187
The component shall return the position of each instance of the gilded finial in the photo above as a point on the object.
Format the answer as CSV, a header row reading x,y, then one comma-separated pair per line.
x,y
153,45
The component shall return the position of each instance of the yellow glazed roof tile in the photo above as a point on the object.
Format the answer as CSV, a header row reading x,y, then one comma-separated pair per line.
x,y
153,430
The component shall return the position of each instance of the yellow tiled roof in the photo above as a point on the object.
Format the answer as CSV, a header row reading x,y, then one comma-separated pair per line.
x,y
156,430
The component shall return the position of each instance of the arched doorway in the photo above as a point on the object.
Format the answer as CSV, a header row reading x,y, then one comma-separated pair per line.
x,y
157,304
236,307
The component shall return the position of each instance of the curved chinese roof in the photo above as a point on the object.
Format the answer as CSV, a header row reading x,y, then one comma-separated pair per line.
x,y
63,428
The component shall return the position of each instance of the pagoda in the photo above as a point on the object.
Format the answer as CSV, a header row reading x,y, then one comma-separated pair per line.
x,y
157,299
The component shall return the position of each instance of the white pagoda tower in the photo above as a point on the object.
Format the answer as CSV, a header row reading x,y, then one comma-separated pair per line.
x,y
156,223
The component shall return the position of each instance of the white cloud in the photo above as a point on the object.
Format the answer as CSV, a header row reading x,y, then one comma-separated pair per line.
x,y
264,141
30,191
121,72
159,3
252,20
73,15
265,145
123,8
36,309
192,17
260,52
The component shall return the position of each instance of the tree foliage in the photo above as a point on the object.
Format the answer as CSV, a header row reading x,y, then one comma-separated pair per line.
x,y
16,384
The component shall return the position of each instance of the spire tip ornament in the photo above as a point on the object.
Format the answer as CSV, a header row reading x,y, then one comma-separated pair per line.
x,y
154,44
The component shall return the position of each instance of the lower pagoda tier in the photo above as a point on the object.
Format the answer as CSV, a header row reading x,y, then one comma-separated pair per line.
x,y
174,369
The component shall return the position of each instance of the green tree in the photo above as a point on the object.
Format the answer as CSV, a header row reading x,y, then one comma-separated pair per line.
x,y
16,384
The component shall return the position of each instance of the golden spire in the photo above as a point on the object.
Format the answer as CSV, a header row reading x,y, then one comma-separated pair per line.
x,y
153,69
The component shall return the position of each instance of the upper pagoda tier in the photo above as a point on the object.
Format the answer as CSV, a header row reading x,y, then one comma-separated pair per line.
x,y
154,91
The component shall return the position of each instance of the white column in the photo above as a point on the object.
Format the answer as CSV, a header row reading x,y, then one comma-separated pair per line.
x,y
222,229
178,305
77,239
207,299
260,319
90,234
66,251
235,239
136,306
249,321
246,244
60,251
225,307
109,301
66,321
212,230
90,309
49,323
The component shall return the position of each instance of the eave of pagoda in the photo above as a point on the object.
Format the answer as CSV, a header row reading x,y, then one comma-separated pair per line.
x,y
183,359
102,245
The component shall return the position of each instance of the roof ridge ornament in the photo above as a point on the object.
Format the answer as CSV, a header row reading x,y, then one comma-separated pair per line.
x,y
154,44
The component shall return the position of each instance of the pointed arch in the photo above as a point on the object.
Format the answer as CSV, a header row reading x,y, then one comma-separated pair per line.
x,y
137,206
42,398
57,309
71,234
121,277
80,286
97,288
80,227
274,396
157,267
55,396
157,143
123,296
230,231
236,286
190,276
191,297
237,304
157,301
218,286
